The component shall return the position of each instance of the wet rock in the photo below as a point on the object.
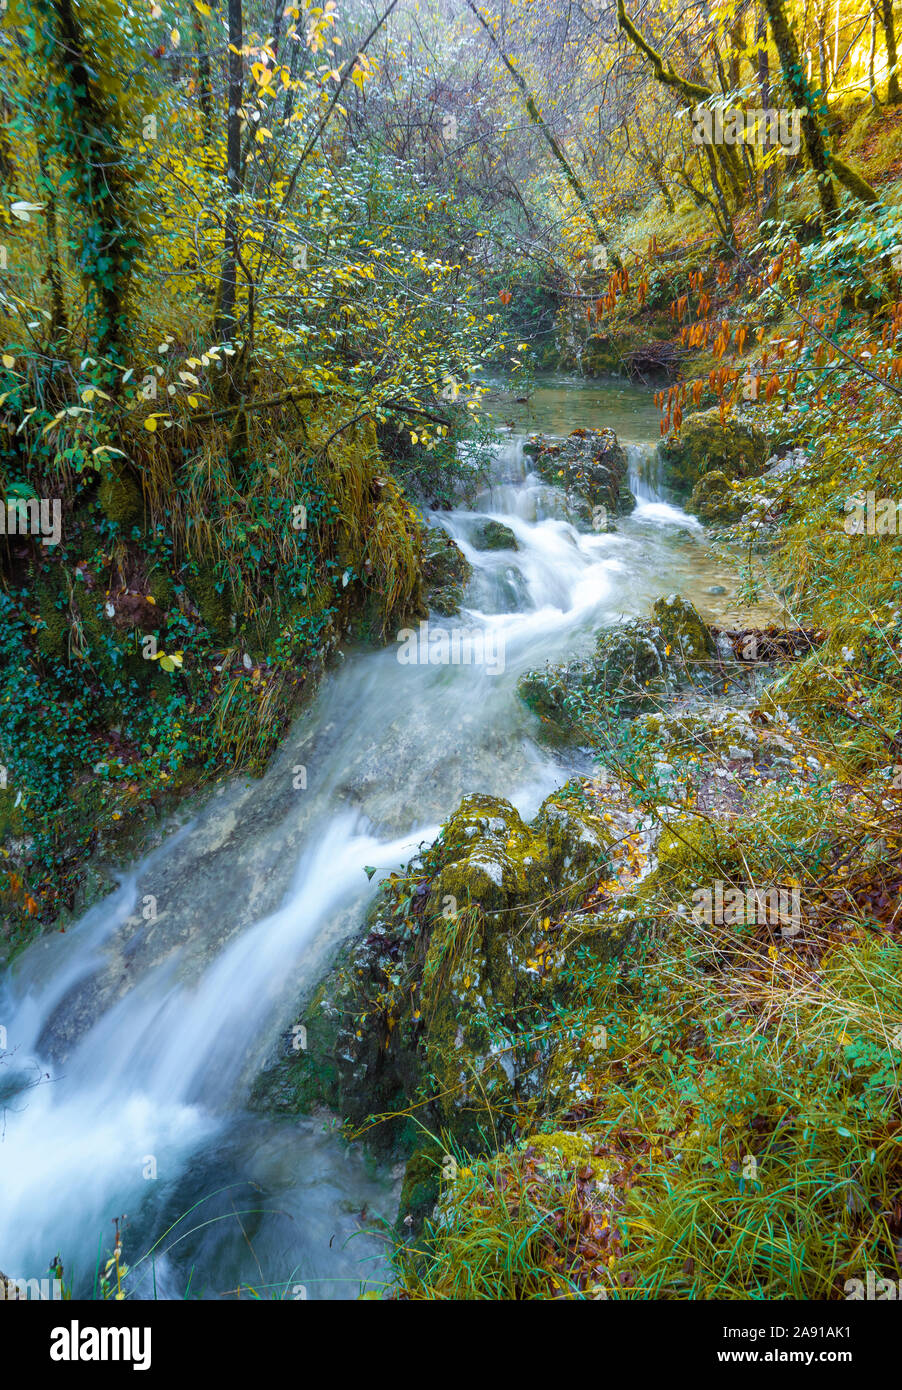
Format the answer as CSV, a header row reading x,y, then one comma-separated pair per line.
x,y
446,571
634,665
460,951
627,671
631,664
736,449
493,535
589,464
560,696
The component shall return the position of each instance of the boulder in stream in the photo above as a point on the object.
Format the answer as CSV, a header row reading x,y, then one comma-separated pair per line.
x,y
687,636
473,938
588,464
446,571
493,535
634,665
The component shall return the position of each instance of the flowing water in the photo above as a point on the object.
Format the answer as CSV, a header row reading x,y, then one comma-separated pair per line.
x,y
132,1038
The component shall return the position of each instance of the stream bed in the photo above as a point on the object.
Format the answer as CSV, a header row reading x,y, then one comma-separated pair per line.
x,y
134,1036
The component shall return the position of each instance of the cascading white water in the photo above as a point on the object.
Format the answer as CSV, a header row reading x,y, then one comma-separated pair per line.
x,y
132,1039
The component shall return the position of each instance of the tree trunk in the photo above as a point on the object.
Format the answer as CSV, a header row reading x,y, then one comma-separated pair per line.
x,y
893,94
90,146
229,278
204,79
656,172
822,59
803,99
54,268
872,55
768,181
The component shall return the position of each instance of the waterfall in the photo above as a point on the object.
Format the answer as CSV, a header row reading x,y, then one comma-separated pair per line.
x,y
645,472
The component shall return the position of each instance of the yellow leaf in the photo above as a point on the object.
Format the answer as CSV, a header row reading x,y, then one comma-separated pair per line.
x,y
8,361
150,423
176,38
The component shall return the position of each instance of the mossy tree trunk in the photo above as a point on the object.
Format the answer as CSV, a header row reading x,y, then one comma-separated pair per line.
x,y
804,100
893,94
813,122
88,143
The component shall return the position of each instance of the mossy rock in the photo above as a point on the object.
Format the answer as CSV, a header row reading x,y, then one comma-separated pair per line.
x,y
553,694
492,857
577,839
566,1150
691,854
737,449
445,573
493,535
631,664
589,464
121,499
700,731
627,672
684,631
714,500
304,1073
462,948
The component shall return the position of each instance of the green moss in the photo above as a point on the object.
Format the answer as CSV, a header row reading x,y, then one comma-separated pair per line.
x,y
736,449
161,588
53,635
493,535
213,599
422,1184
445,572
121,499
567,1150
684,631
714,501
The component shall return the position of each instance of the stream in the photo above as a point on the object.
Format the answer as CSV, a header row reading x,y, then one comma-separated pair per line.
x,y
134,1036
